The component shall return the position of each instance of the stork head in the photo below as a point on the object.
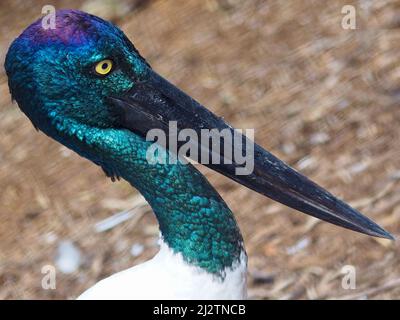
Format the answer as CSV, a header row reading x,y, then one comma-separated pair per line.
x,y
69,71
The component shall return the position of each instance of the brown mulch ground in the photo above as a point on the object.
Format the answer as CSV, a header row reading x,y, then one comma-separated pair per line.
x,y
322,98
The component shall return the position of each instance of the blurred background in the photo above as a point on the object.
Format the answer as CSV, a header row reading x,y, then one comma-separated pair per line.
x,y
320,97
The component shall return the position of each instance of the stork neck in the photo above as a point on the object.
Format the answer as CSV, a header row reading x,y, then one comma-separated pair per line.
x,y
194,220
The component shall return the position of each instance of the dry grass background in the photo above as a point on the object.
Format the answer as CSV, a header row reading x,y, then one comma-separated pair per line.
x,y
322,98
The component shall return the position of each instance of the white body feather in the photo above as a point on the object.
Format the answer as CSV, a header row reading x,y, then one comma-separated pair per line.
x,y
168,276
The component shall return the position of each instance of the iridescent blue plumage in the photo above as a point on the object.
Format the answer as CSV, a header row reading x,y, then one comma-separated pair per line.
x,y
50,76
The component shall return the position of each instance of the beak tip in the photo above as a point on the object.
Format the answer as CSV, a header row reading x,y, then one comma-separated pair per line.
x,y
382,233
389,236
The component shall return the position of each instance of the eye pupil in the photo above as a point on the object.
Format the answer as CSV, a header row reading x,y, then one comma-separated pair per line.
x,y
104,66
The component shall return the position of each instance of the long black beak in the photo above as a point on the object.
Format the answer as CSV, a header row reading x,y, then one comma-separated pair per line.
x,y
153,102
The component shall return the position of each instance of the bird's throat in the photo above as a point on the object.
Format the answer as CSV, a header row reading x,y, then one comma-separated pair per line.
x,y
194,220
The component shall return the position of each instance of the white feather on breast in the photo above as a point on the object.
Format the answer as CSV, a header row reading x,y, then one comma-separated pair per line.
x,y
168,276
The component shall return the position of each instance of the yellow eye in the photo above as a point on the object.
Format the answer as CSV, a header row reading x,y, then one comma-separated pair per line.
x,y
104,67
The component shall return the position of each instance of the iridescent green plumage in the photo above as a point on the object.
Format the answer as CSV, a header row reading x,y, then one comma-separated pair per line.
x,y
50,76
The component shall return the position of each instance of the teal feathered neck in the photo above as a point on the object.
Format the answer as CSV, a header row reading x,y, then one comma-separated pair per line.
x,y
194,220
